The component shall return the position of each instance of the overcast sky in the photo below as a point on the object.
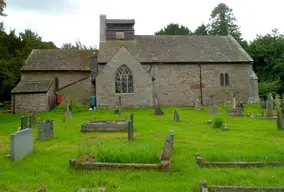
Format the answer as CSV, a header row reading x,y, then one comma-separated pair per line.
x,y
67,20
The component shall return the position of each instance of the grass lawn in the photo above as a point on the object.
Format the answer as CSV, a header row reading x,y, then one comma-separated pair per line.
x,y
248,139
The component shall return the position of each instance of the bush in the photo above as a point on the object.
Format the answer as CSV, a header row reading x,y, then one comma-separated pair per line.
x,y
218,122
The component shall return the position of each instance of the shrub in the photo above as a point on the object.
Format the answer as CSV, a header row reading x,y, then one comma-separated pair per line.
x,y
218,122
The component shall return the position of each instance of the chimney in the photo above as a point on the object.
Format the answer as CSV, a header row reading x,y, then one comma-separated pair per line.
x,y
102,28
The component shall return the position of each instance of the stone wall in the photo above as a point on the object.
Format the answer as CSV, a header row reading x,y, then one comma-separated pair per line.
x,y
78,92
176,84
31,102
105,82
65,77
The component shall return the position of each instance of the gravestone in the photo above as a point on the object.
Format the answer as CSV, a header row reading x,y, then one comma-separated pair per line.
x,y
32,120
130,128
212,109
253,89
21,144
24,122
45,129
269,105
176,115
280,117
233,106
277,102
158,110
237,108
68,112
263,104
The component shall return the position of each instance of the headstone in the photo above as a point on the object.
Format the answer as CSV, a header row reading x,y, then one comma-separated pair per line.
x,y
130,128
253,89
277,102
45,129
263,104
68,112
24,122
21,144
280,117
212,108
32,120
158,111
269,105
176,115
233,102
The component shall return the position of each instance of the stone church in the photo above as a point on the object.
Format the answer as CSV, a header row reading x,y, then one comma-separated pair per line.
x,y
141,70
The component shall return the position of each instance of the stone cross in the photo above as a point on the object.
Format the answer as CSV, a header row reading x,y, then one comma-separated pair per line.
x,y
226,95
68,112
24,122
176,115
269,105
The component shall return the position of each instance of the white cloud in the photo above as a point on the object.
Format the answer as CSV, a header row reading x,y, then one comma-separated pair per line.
x,y
254,17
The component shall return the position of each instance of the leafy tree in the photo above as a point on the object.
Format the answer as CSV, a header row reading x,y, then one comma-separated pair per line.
x,y
201,30
174,29
2,7
78,46
269,87
223,22
268,54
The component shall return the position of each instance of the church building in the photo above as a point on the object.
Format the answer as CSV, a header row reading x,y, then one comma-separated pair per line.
x,y
137,71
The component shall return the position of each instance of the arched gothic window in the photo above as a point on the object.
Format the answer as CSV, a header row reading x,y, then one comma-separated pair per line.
x,y
226,79
123,80
222,79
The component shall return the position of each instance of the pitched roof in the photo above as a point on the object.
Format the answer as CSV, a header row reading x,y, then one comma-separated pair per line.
x,y
58,59
178,48
32,87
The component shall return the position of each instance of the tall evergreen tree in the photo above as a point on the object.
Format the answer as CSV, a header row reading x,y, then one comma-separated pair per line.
x,y
174,29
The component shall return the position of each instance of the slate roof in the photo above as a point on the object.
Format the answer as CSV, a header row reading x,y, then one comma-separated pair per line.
x,y
178,49
58,59
32,87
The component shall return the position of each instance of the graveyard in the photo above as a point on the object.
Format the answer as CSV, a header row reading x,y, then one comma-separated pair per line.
x,y
47,167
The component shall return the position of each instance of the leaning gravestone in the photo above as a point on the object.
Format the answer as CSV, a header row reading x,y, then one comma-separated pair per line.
x,y
269,105
158,110
280,117
21,144
176,115
277,102
45,129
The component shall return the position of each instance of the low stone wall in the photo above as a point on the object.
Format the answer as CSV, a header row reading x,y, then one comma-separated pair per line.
x,y
163,165
204,188
107,125
200,161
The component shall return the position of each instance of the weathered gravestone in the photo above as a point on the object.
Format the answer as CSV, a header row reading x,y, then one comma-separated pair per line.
x,y
158,110
45,129
277,102
263,104
226,96
280,117
197,105
269,105
118,107
32,120
176,115
130,128
212,108
237,108
68,112
24,122
21,144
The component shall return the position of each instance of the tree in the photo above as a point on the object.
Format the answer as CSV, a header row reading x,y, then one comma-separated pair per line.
x,y
201,30
268,54
223,22
2,7
174,29
78,46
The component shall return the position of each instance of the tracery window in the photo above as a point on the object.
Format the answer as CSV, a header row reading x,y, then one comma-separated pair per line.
x,y
123,80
